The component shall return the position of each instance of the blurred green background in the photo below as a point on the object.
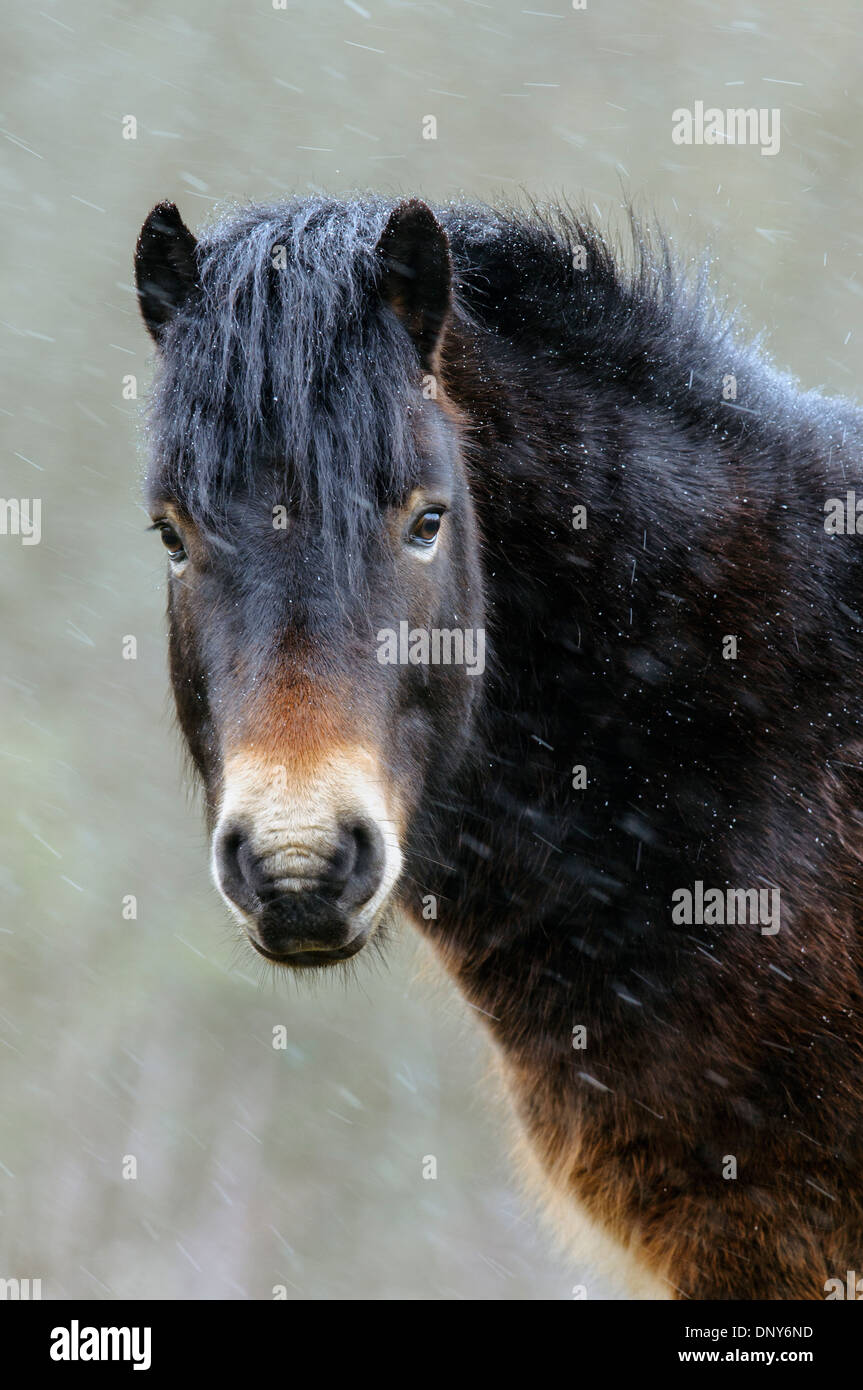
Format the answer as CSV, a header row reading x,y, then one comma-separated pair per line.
x,y
153,1037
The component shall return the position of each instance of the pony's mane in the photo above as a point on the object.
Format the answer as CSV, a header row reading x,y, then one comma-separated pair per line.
x,y
286,359
575,297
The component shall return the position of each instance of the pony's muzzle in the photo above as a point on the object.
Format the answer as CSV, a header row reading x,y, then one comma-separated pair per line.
x,y
302,903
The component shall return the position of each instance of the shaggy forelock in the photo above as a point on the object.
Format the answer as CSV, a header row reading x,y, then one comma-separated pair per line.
x,y
287,365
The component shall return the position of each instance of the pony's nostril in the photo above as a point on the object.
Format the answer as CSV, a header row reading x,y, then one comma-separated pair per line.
x,y
367,856
235,866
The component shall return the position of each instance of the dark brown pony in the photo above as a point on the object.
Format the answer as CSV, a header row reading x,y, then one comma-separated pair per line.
x,y
511,593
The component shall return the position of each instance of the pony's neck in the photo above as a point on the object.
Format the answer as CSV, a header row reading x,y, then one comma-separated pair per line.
x,y
529,468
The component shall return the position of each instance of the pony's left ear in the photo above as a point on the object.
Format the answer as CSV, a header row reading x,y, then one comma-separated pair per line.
x,y
166,268
416,275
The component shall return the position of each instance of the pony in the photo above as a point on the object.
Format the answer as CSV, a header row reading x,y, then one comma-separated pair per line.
x,y
512,592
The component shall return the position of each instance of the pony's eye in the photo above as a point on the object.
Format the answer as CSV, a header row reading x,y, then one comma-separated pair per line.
x,y
171,541
425,528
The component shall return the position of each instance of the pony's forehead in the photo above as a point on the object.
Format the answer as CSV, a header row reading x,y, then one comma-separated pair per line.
x,y
287,370
351,461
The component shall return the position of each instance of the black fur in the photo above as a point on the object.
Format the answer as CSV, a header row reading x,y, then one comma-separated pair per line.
x,y
599,387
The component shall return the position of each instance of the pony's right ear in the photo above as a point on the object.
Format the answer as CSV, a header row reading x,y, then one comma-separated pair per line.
x,y
166,268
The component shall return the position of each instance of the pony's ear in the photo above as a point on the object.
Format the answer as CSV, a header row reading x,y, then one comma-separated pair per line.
x,y
416,274
166,270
